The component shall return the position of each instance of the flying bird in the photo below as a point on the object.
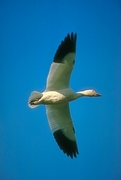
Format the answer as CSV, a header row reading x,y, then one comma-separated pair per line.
x,y
58,94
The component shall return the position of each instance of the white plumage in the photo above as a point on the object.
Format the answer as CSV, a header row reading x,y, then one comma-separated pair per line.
x,y
58,94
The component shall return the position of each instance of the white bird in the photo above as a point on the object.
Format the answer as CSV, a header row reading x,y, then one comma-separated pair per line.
x,y
58,94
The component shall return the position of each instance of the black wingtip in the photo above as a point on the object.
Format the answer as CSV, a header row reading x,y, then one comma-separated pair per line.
x,y
67,46
68,146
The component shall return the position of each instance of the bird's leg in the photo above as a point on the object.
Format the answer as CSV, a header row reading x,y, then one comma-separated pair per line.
x,y
34,101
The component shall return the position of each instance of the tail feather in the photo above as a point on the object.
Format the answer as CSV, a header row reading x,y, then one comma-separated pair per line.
x,y
34,95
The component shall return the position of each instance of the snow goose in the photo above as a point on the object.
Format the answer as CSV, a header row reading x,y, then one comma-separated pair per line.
x,y
58,94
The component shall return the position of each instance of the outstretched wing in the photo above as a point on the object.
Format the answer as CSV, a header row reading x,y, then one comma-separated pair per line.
x,y
62,128
61,68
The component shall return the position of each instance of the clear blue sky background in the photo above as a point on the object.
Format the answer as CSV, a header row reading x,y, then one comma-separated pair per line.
x,y
30,32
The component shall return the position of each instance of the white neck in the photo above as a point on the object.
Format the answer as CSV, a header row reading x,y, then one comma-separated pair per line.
x,y
89,93
84,93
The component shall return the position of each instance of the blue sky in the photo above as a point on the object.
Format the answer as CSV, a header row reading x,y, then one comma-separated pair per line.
x,y
30,32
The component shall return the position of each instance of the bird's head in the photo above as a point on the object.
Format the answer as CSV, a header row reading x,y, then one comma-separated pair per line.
x,y
91,93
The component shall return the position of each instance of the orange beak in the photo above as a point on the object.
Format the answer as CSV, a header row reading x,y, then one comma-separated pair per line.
x,y
97,94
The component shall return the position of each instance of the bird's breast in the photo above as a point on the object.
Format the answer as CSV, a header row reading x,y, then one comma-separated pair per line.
x,y
57,97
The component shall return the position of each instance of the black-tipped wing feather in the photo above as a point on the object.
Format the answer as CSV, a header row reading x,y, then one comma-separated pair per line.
x,y
68,45
61,68
68,146
62,128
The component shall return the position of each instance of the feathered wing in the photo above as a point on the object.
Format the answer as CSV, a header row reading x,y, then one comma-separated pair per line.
x,y
62,128
61,68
